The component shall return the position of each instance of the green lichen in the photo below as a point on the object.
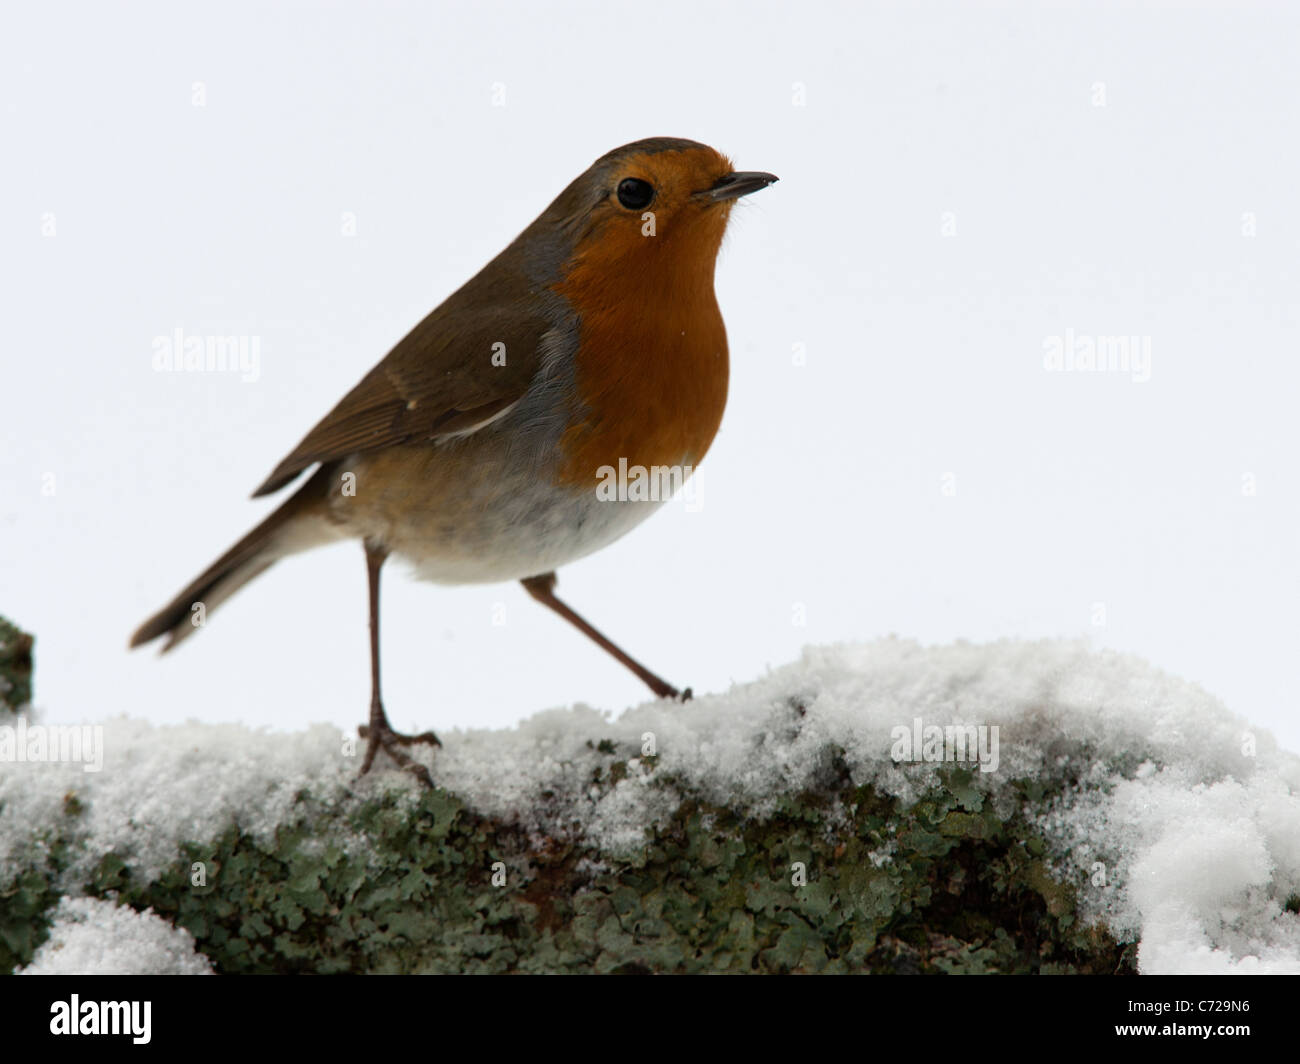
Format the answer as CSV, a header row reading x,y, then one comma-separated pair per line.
x,y
442,889
15,667
31,890
839,879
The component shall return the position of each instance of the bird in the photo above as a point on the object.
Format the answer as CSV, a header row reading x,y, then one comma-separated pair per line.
x,y
477,448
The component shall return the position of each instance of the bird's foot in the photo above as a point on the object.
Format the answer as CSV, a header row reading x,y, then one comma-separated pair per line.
x,y
667,690
380,735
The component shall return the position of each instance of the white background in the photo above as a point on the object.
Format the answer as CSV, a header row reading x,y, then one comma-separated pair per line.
x,y
823,494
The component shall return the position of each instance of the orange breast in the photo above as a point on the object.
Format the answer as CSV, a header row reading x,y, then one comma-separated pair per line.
x,y
651,365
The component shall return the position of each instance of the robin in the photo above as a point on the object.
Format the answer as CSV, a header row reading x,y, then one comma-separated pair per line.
x,y
478,448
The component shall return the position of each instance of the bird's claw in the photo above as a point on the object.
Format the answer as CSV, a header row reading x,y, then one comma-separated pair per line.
x,y
381,736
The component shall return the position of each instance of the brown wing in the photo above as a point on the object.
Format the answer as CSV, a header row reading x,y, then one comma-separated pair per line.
x,y
439,380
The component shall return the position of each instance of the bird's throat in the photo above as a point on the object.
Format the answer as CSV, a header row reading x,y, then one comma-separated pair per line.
x,y
651,363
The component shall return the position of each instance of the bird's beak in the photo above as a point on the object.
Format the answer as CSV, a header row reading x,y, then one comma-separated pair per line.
x,y
737,183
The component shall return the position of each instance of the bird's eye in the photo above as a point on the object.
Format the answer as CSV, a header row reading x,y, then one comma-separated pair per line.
x,y
634,193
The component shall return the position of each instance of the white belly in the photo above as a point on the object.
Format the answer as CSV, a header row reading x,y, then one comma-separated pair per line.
x,y
542,536
471,514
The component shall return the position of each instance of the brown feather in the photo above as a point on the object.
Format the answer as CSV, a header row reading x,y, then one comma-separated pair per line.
x,y
440,379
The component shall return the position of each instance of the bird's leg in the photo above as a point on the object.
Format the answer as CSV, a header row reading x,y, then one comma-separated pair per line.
x,y
542,588
379,732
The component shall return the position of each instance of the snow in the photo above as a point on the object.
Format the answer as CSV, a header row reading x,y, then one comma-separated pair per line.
x,y
96,937
1177,821
161,786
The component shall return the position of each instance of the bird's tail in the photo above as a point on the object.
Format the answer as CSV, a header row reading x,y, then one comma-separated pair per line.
x,y
297,525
